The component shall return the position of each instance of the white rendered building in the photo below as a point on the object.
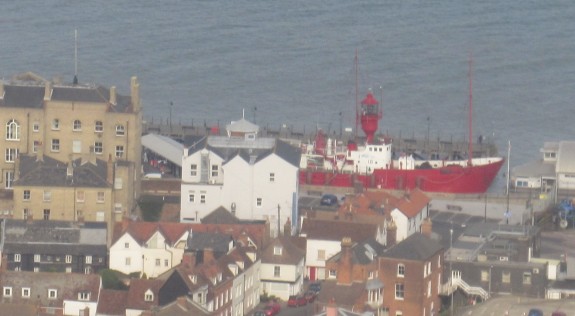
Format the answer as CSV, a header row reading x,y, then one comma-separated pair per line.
x,y
255,178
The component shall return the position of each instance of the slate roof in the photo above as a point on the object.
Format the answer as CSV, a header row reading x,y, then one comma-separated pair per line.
x,y
290,254
112,302
416,247
537,168
29,93
183,307
363,252
68,286
51,172
336,230
38,237
218,242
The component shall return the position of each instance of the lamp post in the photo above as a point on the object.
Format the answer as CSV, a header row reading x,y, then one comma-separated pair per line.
x,y
451,268
489,288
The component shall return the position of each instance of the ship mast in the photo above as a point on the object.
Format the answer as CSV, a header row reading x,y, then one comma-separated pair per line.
x,y
470,149
356,95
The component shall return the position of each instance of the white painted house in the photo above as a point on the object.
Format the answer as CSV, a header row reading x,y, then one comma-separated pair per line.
x,y
283,267
409,213
255,178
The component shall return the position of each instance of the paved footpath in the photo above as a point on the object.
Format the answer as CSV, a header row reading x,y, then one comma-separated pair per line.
x,y
515,306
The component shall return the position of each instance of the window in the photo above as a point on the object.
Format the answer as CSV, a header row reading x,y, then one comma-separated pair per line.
x,y
100,197
526,278
36,258
47,196
76,146
214,170
98,148
193,169
272,177
278,250
9,175
192,198
36,126
128,261
17,257
120,130
26,195
25,292
55,144
98,127
148,296
7,292
484,276
80,196
259,202
127,245
158,262
401,270
276,271
36,146
100,216
118,183
52,294
12,130
84,296
399,291
68,269
36,269
119,151
332,273
25,213
88,259
11,154
203,198
68,259
321,254
77,125
56,124
506,277
46,214
166,263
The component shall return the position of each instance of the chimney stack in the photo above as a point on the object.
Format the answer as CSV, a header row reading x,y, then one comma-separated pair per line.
x,y
344,267
113,95
135,91
287,228
426,227
110,170
48,91
208,255
391,235
189,258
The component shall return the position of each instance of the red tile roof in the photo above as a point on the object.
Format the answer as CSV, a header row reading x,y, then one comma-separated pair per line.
x,y
113,302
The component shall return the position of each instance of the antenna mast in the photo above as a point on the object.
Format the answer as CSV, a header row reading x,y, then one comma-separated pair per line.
x,y
470,149
356,95
76,56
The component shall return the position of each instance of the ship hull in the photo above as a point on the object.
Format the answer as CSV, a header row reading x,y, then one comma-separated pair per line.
x,y
449,179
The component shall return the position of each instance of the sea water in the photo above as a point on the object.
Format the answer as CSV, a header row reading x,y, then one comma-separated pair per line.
x,y
292,62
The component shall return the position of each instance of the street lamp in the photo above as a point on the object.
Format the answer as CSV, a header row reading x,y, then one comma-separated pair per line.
x,y
451,268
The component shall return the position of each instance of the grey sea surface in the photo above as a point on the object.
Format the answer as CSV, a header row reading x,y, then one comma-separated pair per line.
x,y
292,62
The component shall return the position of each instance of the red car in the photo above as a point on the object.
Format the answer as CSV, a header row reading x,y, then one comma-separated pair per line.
x,y
272,309
295,301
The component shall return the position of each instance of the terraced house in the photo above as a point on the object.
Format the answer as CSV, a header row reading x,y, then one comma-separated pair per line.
x,y
70,125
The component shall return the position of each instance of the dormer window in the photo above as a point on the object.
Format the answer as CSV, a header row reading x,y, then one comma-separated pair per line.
x,y
84,296
193,278
149,296
7,291
52,294
278,250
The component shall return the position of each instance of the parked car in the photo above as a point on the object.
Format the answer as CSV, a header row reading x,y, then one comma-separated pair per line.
x,y
310,296
315,287
328,200
535,312
272,309
296,300
259,313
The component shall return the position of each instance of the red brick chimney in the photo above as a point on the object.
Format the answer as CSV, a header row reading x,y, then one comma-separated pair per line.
x,y
391,237
426,227
189,258
344,267
209,254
